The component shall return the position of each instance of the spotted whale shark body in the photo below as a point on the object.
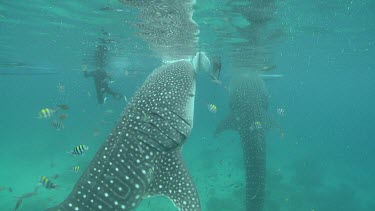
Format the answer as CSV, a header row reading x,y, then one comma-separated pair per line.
x,y
142,155
248,104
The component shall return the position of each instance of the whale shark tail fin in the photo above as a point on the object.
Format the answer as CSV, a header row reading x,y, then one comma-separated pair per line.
x,y
201,62
172,179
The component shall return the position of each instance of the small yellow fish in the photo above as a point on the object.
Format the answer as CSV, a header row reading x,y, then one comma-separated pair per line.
x,y
58,125
47,183
46,113
79,150
76,169
258,125
212,108
281,111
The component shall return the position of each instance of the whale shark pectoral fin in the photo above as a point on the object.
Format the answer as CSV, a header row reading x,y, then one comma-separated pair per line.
x,y
172,179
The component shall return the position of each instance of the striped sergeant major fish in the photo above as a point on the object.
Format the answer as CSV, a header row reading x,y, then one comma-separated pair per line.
x,y
47,183
281,111
46,113
142,155
58,125
79,150
212,108
76,168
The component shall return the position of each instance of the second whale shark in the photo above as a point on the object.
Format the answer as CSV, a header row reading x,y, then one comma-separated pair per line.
x,y
248,116
142,155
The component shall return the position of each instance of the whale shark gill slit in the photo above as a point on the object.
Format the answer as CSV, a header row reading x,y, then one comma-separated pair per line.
x,y
172,143
149,141
158,134
182,130
176,121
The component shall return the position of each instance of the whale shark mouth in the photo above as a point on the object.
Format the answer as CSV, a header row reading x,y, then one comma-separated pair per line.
x,y
142,155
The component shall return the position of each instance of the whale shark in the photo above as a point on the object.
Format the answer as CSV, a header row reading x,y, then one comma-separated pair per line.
x,y
167,26
142,155
248,105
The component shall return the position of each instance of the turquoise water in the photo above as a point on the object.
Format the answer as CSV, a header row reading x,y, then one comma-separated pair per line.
x,y
324,50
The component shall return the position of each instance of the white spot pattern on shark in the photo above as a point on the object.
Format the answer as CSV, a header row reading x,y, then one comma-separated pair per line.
x,y
142,155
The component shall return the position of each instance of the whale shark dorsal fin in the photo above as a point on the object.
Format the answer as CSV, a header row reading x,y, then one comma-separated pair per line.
x,y
201,62
172,179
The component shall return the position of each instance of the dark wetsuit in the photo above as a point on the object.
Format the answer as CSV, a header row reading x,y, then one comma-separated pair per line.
x,y
101,85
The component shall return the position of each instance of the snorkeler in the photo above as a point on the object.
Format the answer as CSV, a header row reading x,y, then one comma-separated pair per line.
x,y
101,78
216,68
101,84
